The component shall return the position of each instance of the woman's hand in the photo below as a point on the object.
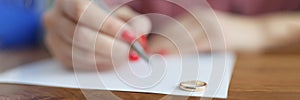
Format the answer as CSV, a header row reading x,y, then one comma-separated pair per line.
x,y
62,20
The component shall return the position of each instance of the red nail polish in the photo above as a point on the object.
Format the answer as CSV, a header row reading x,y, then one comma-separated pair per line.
x,y
128,36
133,56
143,41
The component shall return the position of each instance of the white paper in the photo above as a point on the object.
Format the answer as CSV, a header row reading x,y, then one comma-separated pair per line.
x,y
50,73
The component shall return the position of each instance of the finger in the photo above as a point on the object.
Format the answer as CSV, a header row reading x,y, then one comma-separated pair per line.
x,y
52,44
101,43
139,23
63,52
88,14
56,23
177,44
203,46
125,13
159,44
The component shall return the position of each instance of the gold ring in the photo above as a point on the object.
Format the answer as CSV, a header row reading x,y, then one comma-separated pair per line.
x,y
193,86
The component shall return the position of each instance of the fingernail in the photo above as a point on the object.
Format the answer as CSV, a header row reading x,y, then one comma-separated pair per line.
x,y
143,41
133,56
128,36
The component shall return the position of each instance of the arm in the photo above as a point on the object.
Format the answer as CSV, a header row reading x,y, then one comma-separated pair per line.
x,y
241,33
257,33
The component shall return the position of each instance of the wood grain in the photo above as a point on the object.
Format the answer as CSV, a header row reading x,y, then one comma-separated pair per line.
x,y
269,76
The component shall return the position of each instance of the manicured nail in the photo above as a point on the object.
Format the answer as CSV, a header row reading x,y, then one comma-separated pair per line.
x,y
143,41
128,36
133,56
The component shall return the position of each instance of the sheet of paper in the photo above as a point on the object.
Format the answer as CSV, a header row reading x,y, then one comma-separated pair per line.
x,y
163,79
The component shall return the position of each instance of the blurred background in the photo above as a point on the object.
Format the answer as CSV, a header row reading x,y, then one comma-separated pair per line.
x,y
21,25
21,31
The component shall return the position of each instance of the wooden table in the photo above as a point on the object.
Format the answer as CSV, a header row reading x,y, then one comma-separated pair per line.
x,y
270,76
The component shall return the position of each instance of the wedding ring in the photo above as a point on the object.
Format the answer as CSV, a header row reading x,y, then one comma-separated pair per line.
x,y
193,86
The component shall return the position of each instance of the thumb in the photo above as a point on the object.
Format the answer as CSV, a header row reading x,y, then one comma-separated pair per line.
x,y
159,44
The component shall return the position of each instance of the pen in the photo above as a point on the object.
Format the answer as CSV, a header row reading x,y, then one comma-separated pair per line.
x,y
136,45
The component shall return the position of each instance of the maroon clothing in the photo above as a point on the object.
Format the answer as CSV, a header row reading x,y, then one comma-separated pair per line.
x,y
254,7
245,7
